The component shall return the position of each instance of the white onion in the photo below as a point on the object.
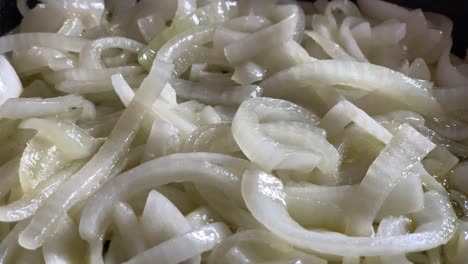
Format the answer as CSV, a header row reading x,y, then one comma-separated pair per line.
x,y
24,41
21,108
202,168
9,245
344,113
66,245
213,94
10,85
447,75
30,202
264,197
183,247
353,74
281,32
90,56
122,89
366,202
221,254
93,172
270,152
129,227
228,138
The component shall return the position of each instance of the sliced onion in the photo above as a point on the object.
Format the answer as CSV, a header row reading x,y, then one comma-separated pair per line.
x,y
72,140
393,226
92,87
269,152
248,73
83,74
264,196
211,94
157,230
129,228
353,74
164,139
348,39
381,10
151,25
404,150
459,177
35,59
331,48
58,64
212,138
247,48
65,246
9,245
419,70
184,8
90,56
202,216
31,201
97,170
186,246
177,46
22,108
211,14
447,75
10,84
248,24
275,246
453,98
182,199
9,172
455,250
232,212
122,89
72,26
390,32
23,41
281,57
343,113
197,167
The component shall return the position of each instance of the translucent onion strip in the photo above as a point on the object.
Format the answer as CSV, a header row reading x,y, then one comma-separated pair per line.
x,y
10,84
90,56
21,108
72,140
221,254
404,150
390,227
343,113
197,167
210,14
281,32
9,245
214,95
355,75
129,228
268,152
97,170
31,201
264,196
183,247
66,245
9,172
83,74
24,41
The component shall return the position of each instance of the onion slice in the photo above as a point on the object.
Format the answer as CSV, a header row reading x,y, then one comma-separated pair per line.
x,y
364,76
265,197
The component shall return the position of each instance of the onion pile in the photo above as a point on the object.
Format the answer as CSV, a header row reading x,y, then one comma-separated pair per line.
x,y
222,131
